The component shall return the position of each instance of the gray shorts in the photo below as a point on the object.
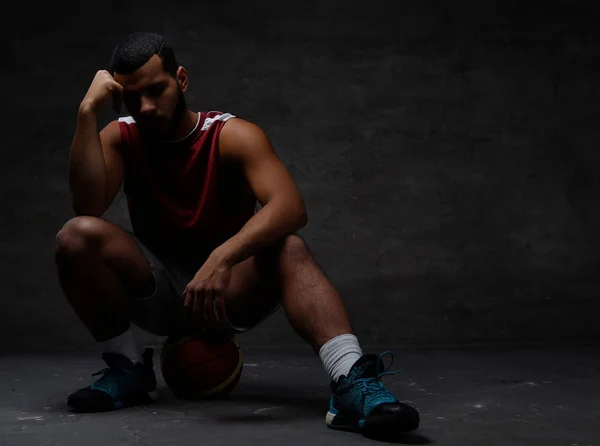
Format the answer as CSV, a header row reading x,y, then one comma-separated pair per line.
x,y
161,312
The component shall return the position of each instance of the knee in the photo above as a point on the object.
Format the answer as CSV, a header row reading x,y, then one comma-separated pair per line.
x,y
78,235
294,248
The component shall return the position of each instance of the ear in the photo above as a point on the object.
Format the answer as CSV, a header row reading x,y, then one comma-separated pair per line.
x,y
182,78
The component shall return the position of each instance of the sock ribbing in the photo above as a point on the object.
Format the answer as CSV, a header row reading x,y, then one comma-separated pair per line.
x,y
123,344
339,355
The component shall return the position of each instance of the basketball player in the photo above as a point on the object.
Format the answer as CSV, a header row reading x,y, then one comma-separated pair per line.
x,y
201,256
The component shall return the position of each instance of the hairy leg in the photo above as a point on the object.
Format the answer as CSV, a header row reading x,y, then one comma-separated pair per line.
x,y
287,273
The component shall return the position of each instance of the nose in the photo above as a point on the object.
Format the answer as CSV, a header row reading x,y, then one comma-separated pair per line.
x,y
147,106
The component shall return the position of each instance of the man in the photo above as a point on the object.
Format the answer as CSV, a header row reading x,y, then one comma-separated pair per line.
x,y
200,257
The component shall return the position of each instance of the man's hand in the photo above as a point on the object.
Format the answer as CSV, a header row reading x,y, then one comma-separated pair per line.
x,y
103,88
208,286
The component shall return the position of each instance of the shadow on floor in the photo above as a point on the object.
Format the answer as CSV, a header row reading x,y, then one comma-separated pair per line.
x,y
280,405
401,438
277,405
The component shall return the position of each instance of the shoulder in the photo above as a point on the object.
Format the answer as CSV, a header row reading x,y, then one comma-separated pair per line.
x,y
213,117
120,132
112,131
120,125
240,138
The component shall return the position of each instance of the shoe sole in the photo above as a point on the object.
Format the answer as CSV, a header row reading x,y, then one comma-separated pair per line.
x,y
81,406
375,425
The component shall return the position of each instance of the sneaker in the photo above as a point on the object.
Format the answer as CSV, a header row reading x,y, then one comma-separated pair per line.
x,y
122,384
360,401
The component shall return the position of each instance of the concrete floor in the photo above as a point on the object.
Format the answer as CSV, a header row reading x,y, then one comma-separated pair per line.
x,y
465,397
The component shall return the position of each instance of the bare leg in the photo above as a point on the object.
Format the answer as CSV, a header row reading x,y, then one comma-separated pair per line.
x,y
312,304
98,265
287,272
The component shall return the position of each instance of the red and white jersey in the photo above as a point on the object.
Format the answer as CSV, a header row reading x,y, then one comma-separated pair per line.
x,y
183,201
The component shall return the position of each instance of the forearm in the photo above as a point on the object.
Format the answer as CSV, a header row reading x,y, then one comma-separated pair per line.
x,y
276,220
87,170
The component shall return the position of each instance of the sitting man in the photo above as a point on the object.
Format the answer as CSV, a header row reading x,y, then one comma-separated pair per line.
x,y
200,255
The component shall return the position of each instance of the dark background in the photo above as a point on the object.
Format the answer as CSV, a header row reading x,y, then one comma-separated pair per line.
x,y
447,153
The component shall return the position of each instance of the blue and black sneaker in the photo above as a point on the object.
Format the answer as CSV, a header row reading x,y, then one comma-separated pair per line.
x,y
122,384
360,401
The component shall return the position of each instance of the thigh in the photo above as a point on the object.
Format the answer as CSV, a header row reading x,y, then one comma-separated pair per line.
x,y
114,245
249,299
253,293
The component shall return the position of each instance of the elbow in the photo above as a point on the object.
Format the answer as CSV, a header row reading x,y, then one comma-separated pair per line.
x,y
82,209
88,203
302,217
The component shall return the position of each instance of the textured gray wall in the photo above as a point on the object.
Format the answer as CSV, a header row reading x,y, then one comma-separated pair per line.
x,y
447,154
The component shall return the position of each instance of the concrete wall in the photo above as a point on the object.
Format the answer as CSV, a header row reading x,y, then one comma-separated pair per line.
x,y
447,154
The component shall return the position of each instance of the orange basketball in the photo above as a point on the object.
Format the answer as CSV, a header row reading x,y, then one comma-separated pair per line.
x,y
196,368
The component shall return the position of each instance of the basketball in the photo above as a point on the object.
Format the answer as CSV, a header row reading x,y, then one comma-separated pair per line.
x,y
197,367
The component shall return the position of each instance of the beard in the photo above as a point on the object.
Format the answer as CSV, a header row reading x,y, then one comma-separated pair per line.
x,y
178,114
160,129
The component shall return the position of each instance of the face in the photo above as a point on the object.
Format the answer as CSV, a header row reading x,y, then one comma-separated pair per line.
x,y
154,98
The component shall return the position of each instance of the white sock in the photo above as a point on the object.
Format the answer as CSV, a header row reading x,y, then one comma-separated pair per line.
x,y
125,345
339,355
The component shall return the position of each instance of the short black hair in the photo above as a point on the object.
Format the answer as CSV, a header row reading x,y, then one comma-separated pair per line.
x,y
137,49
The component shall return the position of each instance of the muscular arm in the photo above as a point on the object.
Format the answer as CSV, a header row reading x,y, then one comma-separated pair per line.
x,y
95,165
283,211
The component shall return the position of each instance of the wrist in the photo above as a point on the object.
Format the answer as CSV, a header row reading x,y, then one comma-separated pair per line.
x,y
222,258
88,108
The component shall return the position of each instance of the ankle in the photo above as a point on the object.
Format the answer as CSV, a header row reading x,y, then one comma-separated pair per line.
x,y
339,355
124,344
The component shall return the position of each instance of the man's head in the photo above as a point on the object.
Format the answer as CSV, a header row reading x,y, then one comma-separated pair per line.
x,y
153,84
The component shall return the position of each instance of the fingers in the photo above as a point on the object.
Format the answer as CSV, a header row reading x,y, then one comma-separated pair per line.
x,y
117,96
197,308
218,311
204,305
103,88
188,305
188,301
221,310
209,307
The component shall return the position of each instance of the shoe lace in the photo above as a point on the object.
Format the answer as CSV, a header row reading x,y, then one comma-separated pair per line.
x,y
106,371
102,372
111,379
105,381
110,376
113,366
372,386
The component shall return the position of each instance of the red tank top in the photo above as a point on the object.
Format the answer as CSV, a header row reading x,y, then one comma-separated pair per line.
x,y
183,202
